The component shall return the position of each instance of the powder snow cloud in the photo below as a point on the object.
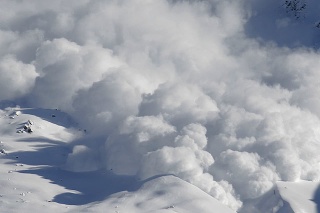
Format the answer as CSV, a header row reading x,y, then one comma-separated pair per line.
x,y
189,88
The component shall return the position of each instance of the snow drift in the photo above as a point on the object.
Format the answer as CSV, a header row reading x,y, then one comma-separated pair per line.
x,y
173,87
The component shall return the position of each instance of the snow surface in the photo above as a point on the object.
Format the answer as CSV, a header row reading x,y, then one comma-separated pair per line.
x,y
287,197
303,196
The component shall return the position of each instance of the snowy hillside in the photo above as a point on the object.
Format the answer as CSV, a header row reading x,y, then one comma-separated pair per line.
x,y
302,196
32,177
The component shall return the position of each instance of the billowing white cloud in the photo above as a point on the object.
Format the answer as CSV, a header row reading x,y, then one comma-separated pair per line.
x,y
199,89
180,104
82,159
17,78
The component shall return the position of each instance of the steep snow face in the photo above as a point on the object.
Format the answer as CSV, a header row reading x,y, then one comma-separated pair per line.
x,y
31,160
303,196
179,87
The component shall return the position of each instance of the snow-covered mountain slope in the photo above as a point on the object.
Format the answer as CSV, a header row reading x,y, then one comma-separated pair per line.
x,y
302,196
287,197
162,194
32,178
28,158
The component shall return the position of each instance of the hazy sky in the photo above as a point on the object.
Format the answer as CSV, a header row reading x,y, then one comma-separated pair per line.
x,y
221,93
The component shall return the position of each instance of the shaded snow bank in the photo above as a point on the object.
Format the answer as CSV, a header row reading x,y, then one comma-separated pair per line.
x,y
176,88
301,196
161,194
285,197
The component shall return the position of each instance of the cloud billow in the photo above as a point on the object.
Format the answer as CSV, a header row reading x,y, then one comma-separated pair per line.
x,y
174,87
